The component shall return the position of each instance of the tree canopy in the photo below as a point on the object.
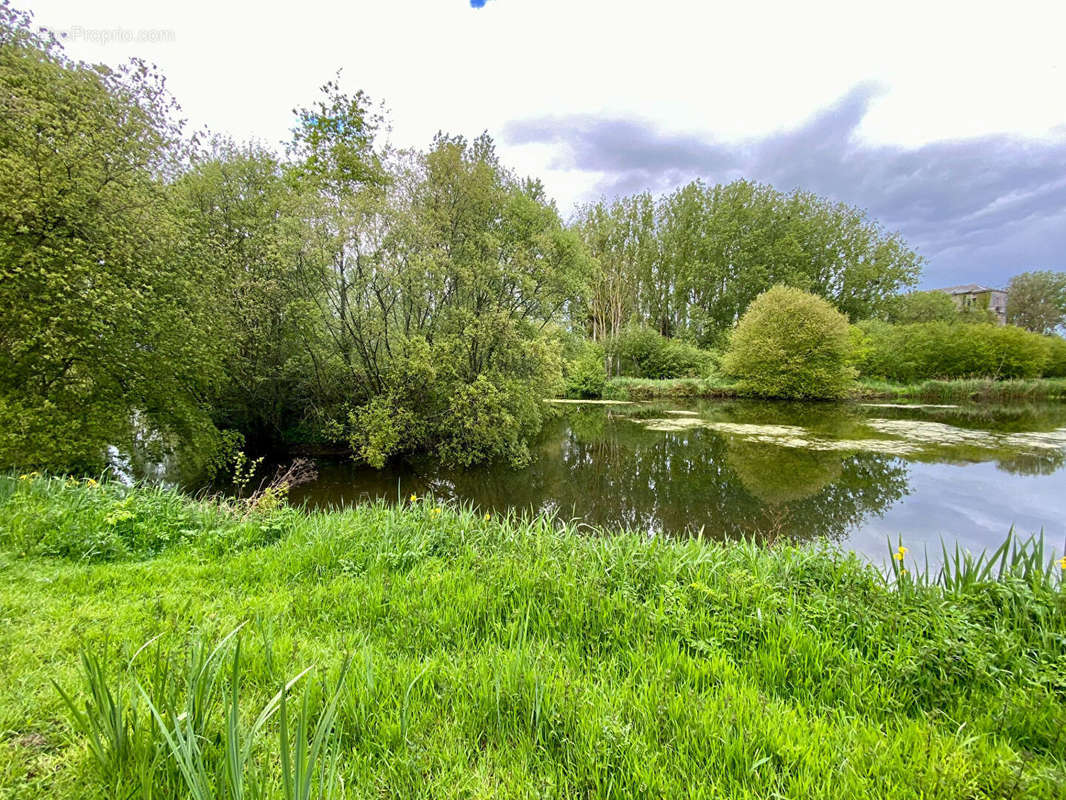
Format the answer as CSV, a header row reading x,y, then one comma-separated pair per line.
x,y
1036,301
690,264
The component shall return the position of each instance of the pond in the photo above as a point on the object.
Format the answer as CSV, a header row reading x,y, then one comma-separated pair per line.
x,y
853,473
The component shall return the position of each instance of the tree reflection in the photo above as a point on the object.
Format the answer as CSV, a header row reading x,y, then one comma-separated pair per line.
x,y
615,473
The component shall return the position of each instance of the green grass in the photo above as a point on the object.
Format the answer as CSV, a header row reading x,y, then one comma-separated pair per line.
x,y
207,651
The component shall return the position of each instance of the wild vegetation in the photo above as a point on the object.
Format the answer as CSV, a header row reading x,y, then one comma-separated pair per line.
x,y
171,291
422,650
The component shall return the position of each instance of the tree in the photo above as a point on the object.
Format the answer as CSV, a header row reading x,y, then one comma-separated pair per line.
x,y
791,344
920,307
690,264
621,238
103,334
1036,301
436,285
235,209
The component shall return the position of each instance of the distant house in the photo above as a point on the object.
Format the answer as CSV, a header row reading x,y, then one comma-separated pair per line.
x,y
973,295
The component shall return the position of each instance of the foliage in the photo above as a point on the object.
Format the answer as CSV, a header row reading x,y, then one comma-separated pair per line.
x,y
564,663
645,353
645,389
240,234
440,304
99,323
690,264
585,372
394,301
791,344
1056,362
931,306
1036,301
921,351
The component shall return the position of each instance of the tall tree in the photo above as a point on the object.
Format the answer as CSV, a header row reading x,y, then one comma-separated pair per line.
x,y
707,251
99,326
621,237
239,231
1036,301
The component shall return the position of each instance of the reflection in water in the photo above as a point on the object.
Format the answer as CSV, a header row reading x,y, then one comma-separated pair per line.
x,y
604,467
964,474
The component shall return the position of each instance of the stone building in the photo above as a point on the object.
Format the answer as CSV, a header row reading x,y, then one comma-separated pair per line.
x,y
973,295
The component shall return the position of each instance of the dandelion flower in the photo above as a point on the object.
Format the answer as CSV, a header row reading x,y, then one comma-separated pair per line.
x,y
414,498
487,516
898,556
1062,563
91,483
902,550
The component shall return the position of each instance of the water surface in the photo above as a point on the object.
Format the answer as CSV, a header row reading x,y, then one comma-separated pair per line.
x,y
852,473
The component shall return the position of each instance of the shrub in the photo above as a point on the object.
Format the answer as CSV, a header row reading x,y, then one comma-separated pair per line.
x,y
940,350
791,344
1055,367
644,353
586,374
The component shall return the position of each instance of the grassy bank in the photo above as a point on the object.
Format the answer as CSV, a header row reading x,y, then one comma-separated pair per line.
x,y
457,656
974,390
649,389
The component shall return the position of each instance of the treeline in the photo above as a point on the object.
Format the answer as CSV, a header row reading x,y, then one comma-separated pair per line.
x,y
168,289
162,288
690,264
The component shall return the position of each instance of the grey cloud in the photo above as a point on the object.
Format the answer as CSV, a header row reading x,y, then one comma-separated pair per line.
x,y
979,209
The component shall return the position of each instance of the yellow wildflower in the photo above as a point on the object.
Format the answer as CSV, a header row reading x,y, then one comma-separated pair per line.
x,y
903,572
898,556
1062,562
91,483
24,477
902,550
414,498
487,517
437,510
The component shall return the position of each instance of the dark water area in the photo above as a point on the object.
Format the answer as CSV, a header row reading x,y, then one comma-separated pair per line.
x,y
854,474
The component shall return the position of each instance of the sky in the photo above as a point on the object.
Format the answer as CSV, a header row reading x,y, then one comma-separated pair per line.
x,y
945,120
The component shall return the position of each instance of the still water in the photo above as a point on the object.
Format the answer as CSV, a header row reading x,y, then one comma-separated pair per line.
x,y
852,473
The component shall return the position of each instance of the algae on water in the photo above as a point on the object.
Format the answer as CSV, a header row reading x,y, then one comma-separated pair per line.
x,y
899,437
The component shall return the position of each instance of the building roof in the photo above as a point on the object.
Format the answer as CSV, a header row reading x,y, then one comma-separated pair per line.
x,y
969,288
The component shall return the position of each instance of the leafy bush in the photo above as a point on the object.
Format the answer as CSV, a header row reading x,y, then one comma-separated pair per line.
x,y
791,344
428,404
1056,361
586,374
923,351
644,353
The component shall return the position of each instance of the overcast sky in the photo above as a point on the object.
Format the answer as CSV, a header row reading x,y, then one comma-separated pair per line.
x,y
945,120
